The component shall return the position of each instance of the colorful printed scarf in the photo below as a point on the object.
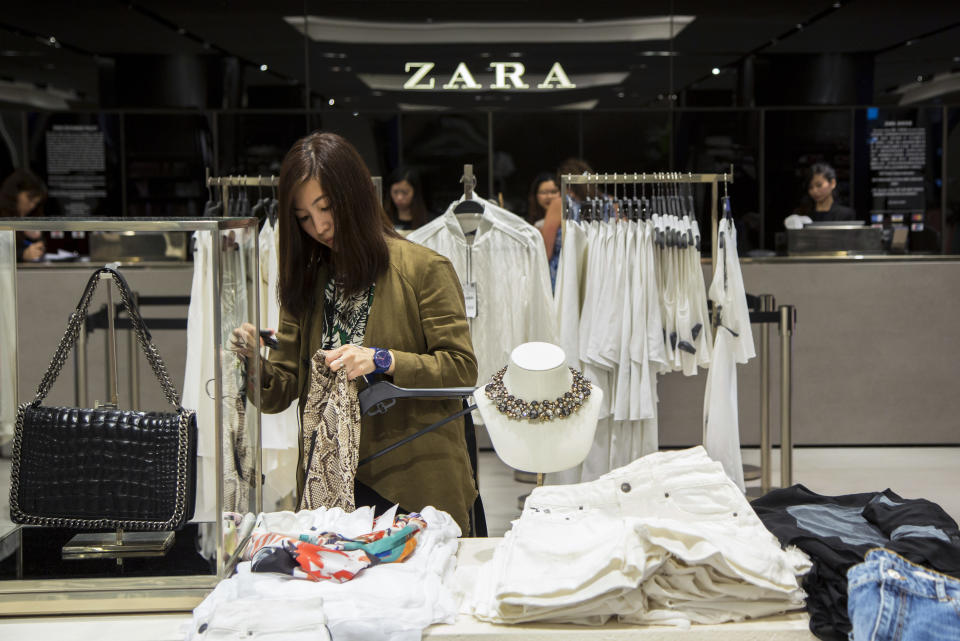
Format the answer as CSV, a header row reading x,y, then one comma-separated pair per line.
x,y
328,556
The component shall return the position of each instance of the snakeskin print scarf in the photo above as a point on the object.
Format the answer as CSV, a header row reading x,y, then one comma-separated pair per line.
x,y
331,438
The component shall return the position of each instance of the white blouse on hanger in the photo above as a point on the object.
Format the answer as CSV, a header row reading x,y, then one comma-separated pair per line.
x,y
506,261
734,344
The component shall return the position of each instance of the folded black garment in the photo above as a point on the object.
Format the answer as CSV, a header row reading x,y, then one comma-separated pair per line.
x,y
837,531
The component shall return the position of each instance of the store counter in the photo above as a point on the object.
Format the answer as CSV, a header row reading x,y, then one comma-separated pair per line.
x,y
472,552
874,353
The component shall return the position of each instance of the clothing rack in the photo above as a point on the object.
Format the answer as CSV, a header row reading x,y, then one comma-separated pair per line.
x,y
638,178
763,311
226,182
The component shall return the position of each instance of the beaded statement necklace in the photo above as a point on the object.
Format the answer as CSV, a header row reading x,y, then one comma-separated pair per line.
x,y
538,411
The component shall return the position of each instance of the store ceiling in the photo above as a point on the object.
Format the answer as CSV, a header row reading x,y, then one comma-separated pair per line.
x,y
634,73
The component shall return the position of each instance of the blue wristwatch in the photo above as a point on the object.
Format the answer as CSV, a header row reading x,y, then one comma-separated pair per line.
x,y
382,360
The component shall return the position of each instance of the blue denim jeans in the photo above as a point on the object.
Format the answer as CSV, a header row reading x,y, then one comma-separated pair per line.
x,y
890,598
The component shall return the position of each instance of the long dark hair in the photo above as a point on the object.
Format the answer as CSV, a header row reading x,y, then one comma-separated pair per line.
x,y
418,209
534,211
21,180
360,252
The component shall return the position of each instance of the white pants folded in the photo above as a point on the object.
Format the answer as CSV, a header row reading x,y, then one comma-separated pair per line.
x,y
666,539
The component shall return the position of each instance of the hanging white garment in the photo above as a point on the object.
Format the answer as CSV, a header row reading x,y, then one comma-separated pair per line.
x,y
733,344
197,395
279,431
8,336
568,297
506,262
703,341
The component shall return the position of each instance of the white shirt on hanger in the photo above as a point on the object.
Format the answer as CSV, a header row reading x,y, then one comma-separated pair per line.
x,y
506,262
568,297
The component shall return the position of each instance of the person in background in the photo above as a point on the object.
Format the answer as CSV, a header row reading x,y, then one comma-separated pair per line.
x,y
543,190
23,194
404,204
357,295
551,229
820,204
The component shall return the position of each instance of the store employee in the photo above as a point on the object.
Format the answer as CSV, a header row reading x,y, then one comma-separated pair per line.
x,y
821,203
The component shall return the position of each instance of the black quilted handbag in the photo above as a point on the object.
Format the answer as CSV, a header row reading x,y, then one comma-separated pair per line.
x,y
104,468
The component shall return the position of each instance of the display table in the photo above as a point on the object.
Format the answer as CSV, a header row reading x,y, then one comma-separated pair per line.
x,y
472,552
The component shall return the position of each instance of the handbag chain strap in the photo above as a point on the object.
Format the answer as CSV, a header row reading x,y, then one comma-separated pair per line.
x,y
75,325
179,503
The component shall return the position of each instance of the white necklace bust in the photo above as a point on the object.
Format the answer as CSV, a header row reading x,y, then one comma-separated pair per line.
x,y
537,371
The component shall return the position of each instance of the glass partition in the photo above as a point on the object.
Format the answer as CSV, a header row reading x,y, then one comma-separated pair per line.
x,y
166,155
712,141
627,141
46,569
795,140
951,218
522,151
438,146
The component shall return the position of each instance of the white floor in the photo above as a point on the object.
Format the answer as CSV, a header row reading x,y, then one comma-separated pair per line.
x,y
931,473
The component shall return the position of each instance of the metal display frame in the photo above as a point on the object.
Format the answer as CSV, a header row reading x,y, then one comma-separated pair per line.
x,y
226,182
637,178
20,597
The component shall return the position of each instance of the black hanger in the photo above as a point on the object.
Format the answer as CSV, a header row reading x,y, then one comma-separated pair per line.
x,y
469,207
381,396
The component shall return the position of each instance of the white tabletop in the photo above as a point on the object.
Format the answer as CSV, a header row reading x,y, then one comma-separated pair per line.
x,y
170,627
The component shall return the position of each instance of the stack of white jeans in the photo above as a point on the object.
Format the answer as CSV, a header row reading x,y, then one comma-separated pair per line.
x,y
668,539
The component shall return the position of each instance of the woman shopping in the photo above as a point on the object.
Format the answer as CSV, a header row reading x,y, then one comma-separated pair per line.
x,y
372,303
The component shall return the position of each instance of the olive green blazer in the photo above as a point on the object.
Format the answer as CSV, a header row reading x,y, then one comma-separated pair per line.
x,y
418,313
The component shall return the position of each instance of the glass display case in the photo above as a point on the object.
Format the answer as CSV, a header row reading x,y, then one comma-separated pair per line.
x,y
46,570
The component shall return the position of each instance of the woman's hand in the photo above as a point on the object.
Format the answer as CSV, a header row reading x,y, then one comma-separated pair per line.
x,y
244,340
357,360
33,252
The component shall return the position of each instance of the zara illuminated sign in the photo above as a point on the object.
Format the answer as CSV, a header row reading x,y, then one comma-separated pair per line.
x,y
506,75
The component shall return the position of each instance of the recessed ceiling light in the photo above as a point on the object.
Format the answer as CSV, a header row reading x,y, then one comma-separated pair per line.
x,y
715,71
516,54
264,67
356,113
331,102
